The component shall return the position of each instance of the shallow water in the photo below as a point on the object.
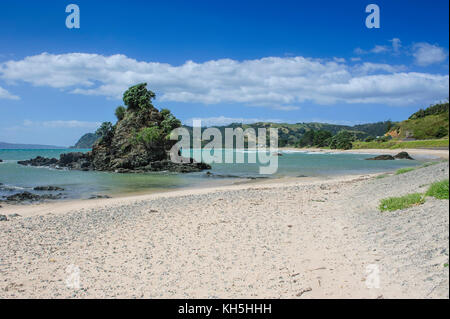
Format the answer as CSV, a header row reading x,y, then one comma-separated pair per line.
x,y
77,184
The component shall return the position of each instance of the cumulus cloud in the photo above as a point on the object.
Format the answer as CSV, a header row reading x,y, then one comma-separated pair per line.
x,y
284,82
426,54
4,94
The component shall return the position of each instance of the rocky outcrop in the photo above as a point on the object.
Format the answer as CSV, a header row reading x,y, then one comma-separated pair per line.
x,y
381,158
1,161
29,197
48,188
403,155
39,161
138,142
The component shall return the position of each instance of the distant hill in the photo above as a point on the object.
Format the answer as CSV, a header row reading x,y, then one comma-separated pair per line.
x,y
86,141
290,134
10,146
431,123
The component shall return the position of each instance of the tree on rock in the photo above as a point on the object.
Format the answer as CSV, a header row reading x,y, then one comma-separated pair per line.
x,y
138,97
120,113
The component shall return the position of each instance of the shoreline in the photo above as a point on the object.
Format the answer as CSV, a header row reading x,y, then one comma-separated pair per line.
x,y
65,206
32,209
422,154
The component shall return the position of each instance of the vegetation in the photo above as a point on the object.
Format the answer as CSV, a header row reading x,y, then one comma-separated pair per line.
x,y
431,123
439,190
105,131
120,112
396,144
404,170
343,140
138,97
436,109
403,202
86,141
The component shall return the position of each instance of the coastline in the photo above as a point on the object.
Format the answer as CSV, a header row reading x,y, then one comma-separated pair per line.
x,y
291,239
419,153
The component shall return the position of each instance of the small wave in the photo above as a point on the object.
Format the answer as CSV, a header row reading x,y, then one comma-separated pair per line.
x,y
7,187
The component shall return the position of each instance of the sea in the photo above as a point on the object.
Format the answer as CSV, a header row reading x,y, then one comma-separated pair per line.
x,y
15,178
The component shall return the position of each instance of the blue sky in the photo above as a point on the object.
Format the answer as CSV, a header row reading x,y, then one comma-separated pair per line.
x,y
221,61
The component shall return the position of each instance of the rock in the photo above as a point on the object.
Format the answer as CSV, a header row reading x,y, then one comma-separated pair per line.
x,y
48,188
381,158
137,143
13,215
29,197
1,161
99,196
403,155
277,154
39,161
3,218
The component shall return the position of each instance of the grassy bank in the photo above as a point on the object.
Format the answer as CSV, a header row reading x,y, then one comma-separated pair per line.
x,y
393,144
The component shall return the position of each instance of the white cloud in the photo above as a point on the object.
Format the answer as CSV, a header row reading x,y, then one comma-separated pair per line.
x,y
223,120
62,124
282,82
395,46
380,49
426,54
4,94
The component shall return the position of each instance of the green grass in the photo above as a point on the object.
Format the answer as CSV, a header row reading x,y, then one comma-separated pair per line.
x,y
396,203
438,190
404,170
396,144
382,176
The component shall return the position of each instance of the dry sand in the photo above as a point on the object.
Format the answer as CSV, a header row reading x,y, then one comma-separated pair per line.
x,y
291,239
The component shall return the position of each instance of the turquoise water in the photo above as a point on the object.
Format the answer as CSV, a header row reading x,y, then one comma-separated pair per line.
x,y
16,178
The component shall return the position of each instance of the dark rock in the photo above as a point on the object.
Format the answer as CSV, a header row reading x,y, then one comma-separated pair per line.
x,y
13,215
277,154
39,161
29,197
137,143
48,188
99,196
3,218
381,158
1,160
403,155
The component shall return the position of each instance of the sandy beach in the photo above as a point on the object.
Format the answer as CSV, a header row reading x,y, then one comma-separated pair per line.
x,y
420,154
292,239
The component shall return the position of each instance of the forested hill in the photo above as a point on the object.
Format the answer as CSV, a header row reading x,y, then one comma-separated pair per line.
x,y
290,134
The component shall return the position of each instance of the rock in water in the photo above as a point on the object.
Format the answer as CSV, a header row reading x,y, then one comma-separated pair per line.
x,y
3,218
138,142
403,155
39,161
48,188
1,161
29,197
381,158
